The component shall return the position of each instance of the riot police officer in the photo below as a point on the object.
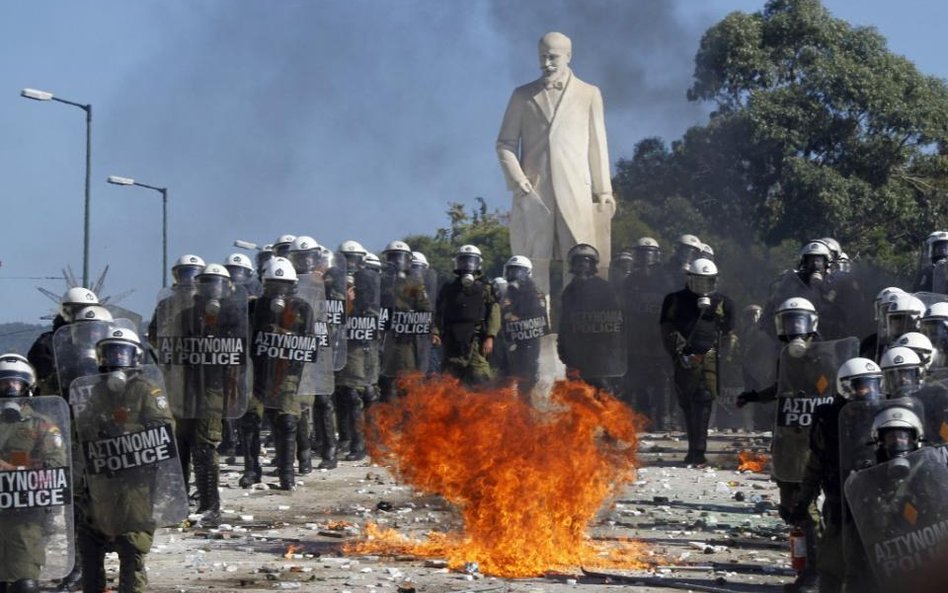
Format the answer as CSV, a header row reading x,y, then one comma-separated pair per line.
x,y
406,312
29,440
590,339
931,278
901,372
118,509
184,274
354,393
694,321
524,322
467,317
41,355
648,380
857,380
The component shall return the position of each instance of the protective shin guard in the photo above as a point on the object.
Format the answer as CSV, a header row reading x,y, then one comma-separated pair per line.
x,y
250,450
286,449
325,417
207,473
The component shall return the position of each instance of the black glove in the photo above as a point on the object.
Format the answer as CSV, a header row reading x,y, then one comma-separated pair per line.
x,y
745,397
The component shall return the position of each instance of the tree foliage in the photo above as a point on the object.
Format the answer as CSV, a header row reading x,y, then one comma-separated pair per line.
x,y
817,130
479,226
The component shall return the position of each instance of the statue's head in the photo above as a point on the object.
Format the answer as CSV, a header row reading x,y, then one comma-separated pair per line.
x,y
555,52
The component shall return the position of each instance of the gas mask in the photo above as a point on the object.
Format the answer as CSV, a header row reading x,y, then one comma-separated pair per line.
x,y
213,289
467,280
814,267
895,444
278,291
704,287
116,381
10,411
796,347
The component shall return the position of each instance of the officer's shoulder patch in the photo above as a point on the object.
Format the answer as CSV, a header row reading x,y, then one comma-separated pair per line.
x,y
156,392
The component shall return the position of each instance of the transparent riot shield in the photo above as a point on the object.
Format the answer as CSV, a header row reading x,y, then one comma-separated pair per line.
x,y
930,298
125,434
119,312
523,315
803,383
362,335
36,525
317,376
856,449
759,353
730,385
940,277
423,346
74,348
202,348
283,344
590,334
934,400
337,287
406,316
901,512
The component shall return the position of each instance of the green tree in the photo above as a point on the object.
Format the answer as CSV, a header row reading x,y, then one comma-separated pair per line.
x,y
817,130
479,226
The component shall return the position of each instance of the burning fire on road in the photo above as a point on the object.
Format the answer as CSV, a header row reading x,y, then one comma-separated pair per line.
x,y
527,482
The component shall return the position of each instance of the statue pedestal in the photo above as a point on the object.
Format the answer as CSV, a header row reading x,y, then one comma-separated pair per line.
x,y
551,369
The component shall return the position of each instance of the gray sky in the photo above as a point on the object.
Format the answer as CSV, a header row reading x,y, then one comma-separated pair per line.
x,y
337,119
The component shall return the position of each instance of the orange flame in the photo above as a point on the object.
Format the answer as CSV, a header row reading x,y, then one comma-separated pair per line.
x,y
528,483
292,549
751,461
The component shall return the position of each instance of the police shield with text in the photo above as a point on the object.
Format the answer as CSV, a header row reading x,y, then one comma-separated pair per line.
x,y
524,322
406,313
74,343
899,505
590,340
36,502
284,347
133,480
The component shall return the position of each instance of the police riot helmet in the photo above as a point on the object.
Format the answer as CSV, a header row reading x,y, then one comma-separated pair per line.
x,y
354,253
706,252
646,253
279,270
121,349
903,314
815,258
796,317
398,255
920,344
937,243
240,267
834,247
901,370
518,268
583,260
263,256
843,263
934,324
882,300
214,281
17,376
687,249
897,430
468,259
859,378
622,264
372,262
419,261
74,299
702,277
93,313
305,254
281,247
186,269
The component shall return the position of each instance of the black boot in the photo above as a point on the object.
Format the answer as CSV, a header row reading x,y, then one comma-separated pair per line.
x,y
73,580
701,416
23,586
207,475
325,418
250,449
340,402
91,547
356,419
285,440
304,454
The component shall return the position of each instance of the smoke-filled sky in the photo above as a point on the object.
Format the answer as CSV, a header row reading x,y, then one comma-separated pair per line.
x,y
337,119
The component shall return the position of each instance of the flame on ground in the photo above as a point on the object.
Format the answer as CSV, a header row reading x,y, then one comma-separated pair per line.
x,y
290,551
527,483
751,461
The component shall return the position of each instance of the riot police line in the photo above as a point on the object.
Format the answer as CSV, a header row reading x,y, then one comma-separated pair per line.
x,y
311,340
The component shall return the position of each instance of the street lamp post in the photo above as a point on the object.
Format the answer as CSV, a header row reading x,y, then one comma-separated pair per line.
x,y
37,95
116,180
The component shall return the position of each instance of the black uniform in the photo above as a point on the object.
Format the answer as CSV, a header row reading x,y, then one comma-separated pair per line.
x,y
465,317
691,337
590,338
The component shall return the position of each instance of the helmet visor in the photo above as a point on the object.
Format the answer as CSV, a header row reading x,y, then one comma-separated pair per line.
x,y
516,273
686,254
939,251
900,323
305,262
901,380
186,274
116,355
400,260
354,262
702,285
898,441
645,257
795,323
13,384
467,262
212,286
239,274
867,388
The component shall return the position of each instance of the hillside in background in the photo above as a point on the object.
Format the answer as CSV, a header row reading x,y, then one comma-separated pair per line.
x,y
18,337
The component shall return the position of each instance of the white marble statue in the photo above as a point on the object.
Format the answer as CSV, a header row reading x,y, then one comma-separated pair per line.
x,y
552,149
